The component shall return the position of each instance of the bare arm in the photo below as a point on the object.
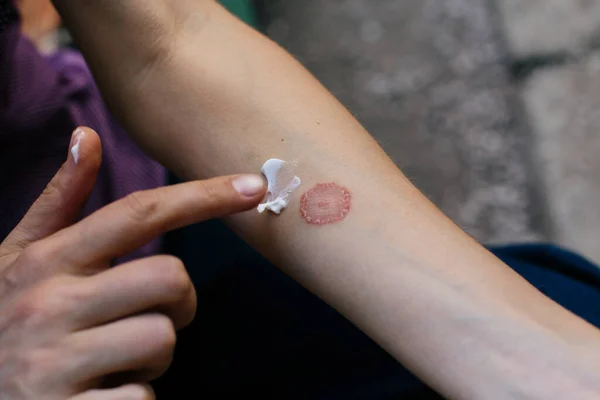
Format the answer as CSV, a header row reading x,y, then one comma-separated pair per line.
x,y
208,96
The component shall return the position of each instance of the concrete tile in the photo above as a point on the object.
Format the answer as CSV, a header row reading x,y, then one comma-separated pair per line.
x,y
538,27
564,105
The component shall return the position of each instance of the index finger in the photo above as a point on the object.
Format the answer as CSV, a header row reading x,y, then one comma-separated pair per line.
x,y
127,224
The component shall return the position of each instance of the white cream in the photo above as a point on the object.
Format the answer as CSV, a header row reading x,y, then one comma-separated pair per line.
x,y
75,149
281,183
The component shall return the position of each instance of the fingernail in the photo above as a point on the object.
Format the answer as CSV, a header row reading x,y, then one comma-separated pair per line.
x,y
248,185
75,142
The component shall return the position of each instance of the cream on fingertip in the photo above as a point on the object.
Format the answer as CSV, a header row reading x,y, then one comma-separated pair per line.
x,y
76,142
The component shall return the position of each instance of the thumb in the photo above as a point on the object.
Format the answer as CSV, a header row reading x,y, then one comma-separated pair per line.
x,y
65,195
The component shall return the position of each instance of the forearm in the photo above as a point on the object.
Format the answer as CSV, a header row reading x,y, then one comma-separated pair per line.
x,y
208,96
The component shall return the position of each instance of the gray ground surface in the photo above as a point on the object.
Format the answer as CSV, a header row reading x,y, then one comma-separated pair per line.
x,y
487,105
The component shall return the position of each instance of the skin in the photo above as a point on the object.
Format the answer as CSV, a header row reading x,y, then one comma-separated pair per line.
x,y
39,22
70,326
193,84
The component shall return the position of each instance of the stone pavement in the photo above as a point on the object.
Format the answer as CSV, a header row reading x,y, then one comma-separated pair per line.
x,y
538,27
491,107
562,102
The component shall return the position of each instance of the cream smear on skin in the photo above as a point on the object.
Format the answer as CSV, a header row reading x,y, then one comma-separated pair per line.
x,y
281,183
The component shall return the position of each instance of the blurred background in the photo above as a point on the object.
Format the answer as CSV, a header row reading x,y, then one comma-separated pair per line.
x,y
491,107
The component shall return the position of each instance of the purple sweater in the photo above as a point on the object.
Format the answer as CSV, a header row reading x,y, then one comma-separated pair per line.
x,y
42,100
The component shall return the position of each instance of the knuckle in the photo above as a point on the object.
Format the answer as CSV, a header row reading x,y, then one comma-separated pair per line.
x,y
12,280
40,364
46,303
163,339
33,310
164,334
209,193
141,206
51,199
29,372
53,188
35,254
172,273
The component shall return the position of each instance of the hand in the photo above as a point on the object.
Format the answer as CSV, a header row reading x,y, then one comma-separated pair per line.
x,y
67,320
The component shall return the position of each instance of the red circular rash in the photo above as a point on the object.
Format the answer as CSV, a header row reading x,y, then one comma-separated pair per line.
x,y
326,203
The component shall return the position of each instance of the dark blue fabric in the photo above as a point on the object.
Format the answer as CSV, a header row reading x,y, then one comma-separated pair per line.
x,y
258,333
565,277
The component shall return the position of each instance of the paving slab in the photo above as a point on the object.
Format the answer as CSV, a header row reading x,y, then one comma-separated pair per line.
x,y
540,27
564,107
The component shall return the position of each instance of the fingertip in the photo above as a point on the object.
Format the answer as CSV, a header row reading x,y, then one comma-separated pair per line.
x,y
249,186
85,150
